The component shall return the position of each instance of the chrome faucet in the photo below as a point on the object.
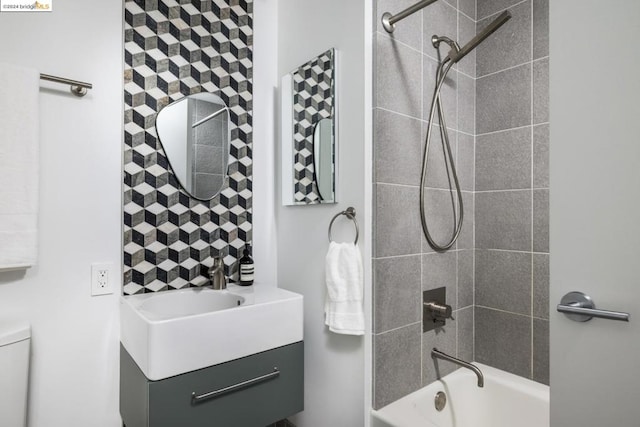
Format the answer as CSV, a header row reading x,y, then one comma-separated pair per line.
x,y
437,354
216,273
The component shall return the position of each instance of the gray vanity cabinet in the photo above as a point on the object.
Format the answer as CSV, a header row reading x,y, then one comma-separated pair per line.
x,y
254,391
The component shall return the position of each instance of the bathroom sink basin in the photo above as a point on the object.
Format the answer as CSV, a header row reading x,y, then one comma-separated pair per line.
x,y
174,332
170,305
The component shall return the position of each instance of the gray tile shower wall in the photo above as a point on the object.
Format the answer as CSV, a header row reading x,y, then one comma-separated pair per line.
x,y
404,264
397,360
508,47
512,188
497,276
503,340
173,49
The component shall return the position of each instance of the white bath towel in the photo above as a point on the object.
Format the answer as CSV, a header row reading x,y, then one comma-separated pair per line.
x,y
19,131
344,306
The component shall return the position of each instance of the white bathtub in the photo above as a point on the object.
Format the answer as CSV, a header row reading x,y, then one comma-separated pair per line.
x,y
505,401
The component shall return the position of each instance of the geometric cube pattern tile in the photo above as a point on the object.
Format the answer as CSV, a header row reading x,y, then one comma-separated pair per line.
x,y
313,100
174,48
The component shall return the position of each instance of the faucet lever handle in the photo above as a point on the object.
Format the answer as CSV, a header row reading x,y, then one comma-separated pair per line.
x,y
439,311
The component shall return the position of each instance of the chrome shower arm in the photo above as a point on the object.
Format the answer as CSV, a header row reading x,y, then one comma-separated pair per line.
x,y
388,20
486,32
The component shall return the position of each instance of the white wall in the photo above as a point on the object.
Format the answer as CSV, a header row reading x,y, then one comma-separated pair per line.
x,y
334,364
265,88
74,366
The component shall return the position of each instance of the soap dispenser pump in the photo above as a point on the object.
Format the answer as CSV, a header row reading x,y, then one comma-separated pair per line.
x,y
246,267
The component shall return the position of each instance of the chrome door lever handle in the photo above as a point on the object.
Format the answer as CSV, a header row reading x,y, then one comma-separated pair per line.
x,y
580,307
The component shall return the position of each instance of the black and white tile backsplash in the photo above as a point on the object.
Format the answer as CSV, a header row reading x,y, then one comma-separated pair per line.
x,y
173,49
313,89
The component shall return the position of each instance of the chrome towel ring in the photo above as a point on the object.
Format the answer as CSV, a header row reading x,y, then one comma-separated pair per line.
x,y
351,214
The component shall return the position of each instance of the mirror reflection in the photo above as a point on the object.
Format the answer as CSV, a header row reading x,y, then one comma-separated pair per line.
x,y
309,132
194,132
323,158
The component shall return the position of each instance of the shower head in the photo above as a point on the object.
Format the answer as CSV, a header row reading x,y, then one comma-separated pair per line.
x,y
436,40
486,32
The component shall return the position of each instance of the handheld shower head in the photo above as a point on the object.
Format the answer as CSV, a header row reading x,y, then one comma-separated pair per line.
x,y
474,42
454,55
453,45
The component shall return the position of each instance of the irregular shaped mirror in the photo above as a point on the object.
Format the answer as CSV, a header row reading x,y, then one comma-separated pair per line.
x,y
194,132
309,132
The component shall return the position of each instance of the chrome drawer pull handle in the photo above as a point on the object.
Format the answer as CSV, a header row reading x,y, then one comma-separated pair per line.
x,y
580,307
195,398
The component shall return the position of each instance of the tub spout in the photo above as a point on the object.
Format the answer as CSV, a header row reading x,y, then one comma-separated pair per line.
x,y
437,354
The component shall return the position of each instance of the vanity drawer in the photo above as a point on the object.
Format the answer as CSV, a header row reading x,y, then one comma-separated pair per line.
x,y
249,392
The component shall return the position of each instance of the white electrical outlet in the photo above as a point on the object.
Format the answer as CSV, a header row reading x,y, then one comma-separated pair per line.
x,y
102,279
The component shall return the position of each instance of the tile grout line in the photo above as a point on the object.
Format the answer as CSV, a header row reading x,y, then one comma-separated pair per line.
x,y
428,188
418,323
421,144
532,181
375,44
529,62
399,114
396,257
475,11
375,47
467,16
512,251
504,311
501,10
504,130
400,42
458,162
493,73
506,190
473,231
423,121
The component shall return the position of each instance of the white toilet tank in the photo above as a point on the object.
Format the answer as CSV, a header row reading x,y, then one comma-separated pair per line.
x,y
15,339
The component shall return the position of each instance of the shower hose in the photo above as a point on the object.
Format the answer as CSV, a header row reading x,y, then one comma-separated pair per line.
x,y
436,104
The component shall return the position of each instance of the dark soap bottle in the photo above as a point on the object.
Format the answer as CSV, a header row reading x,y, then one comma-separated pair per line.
x,y
246,267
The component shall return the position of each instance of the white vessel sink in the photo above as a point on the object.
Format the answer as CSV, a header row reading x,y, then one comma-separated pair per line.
x,y
170,333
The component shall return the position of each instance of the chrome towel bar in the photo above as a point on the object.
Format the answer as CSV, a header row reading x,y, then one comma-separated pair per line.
x,y
78,88
580,307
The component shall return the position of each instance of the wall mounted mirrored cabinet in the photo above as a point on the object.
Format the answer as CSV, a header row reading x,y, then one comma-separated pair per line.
x,y
309,129
194,132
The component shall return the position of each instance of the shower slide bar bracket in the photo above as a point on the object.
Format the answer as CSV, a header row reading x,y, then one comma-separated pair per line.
x,y
389,20
78,88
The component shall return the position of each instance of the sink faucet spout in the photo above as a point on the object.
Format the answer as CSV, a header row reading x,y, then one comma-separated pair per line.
x,y
216,273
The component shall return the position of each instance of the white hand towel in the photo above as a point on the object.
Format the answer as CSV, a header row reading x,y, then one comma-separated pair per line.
x,y
344,312
19,131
